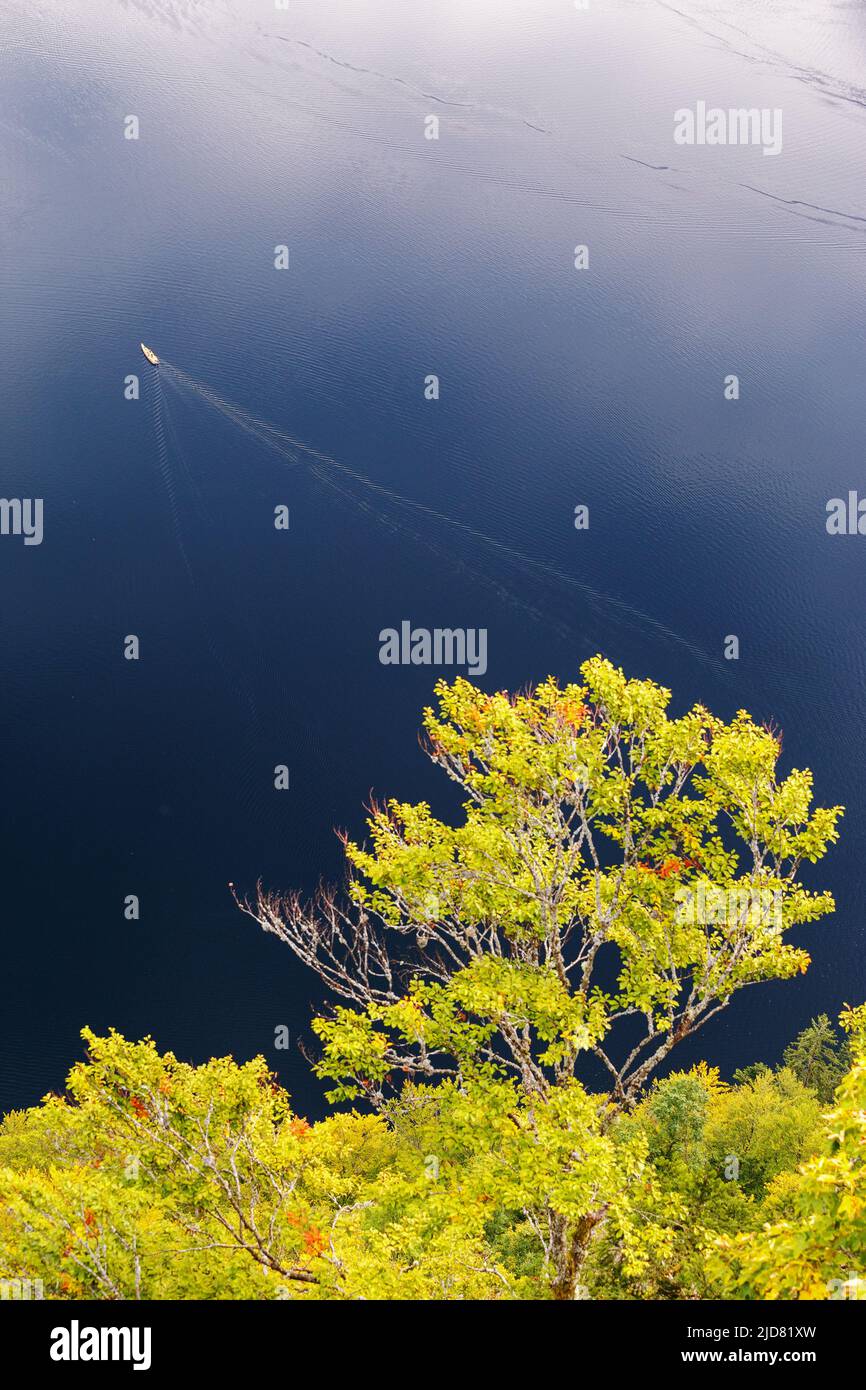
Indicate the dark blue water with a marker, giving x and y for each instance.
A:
(407, 257)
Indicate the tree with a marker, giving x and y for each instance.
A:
(818, 1057)
(153, 1178)
(617, 875)
(762, 1127)
(817, 1249)
(715, 1151)
(694, 1198)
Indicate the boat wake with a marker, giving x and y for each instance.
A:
(537, 587)
(168, 448)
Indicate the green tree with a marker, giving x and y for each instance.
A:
(692, 1201)
(819, 1057)
(617, 875)
(156, 1179)
(716, 1151)
(762, 1127)
(814, 1245)
(152, 1178)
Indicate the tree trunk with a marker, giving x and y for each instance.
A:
(570, 1247)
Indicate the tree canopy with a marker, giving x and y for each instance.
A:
(614, 876)
(508, 987)
(817, 1248)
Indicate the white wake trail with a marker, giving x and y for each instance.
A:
(323, 466)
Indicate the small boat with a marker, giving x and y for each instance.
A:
(149, 354)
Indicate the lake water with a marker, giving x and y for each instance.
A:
(408, 256)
